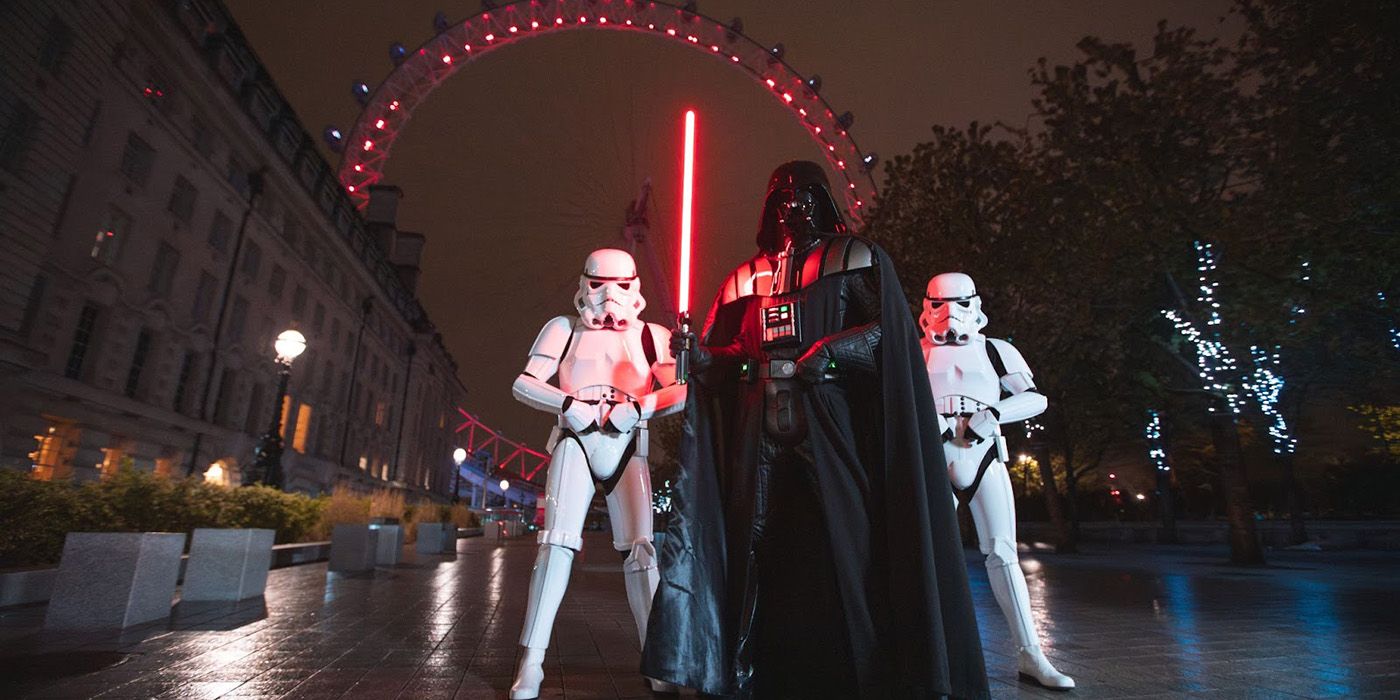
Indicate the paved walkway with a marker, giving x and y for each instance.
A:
(1126, 622)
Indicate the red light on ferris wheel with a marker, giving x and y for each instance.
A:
(369, 145)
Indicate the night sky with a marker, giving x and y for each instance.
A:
(525, 160)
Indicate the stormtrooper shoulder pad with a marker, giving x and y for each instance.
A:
(1010, 357)
(554, 338)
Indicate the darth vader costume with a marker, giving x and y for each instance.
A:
(813, 548)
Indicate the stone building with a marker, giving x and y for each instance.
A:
(163, 216)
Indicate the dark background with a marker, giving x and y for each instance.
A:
(525, 161)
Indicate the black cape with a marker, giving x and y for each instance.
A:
(888, 506)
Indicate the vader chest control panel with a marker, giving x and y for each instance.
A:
(780, 324)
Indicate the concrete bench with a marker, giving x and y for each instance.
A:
(112, 580)
(227, 564)
(437, 538)
(354, 548)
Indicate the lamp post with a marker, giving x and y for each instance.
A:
(267, 460)
(459, 455)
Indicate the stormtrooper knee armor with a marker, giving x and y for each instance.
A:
(614, 372)
(978, 384)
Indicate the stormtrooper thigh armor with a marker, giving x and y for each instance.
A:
(979, 383)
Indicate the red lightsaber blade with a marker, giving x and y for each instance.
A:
(687, 196)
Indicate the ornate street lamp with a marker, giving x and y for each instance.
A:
(459, 455)
(267, 459)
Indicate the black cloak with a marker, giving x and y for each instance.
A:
(885, 499)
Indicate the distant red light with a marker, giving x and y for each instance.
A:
(787, 97)
(514, 29)
(379, 124)
(393, 106)
(369, 145)
(360, 168)
(770, 82)
(534, 25)
(447, 59)
(490, 37)
(672, 32)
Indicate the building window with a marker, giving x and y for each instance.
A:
(137, 159)
(220, 232)
(303, 428)
(182, 199)
(203, 298)
(182, 382)
(237, 319)
(163, 270)
(49, 447)
(298, 303)
(276, 281)
(138, 362)
(82, 340)
(202, 137)
(252, 260)
(237, 175)
(93, 118)
(251, 424)
(58, 41)
(291, 231)
(318, 322)
(381, 413)
(20, 125)
(223, 402)
(32, 304)
(110, 236)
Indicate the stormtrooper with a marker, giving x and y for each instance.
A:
(978, 384)
(614, 373)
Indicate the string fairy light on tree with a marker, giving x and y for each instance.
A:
(1155, 451)
(1266, 386)
(1216, 367)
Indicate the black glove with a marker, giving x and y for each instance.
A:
(688, 342)
(848, 353)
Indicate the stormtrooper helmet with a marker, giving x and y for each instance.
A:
(609, 293)
(952, 310)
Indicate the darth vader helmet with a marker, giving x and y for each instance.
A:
(798, 208)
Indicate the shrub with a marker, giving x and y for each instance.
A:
(342, 507)
(35, 516)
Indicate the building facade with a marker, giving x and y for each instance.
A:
(163, 216)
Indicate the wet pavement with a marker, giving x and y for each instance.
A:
(1129, 621)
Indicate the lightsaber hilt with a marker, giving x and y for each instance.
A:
(683, 359)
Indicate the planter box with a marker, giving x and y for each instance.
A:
(437, 538)
(389, 544)
(353, 548)
(112, 580)
(227, 564)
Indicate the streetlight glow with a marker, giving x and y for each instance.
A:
(459, 455)
(505, 485)
(290, 344)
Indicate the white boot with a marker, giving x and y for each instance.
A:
(547, 583)
(529, 676)
(1009, 587)
(641, 577)
(1031, 664)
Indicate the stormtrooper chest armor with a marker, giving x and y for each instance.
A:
(962, 377)
(606, 365)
